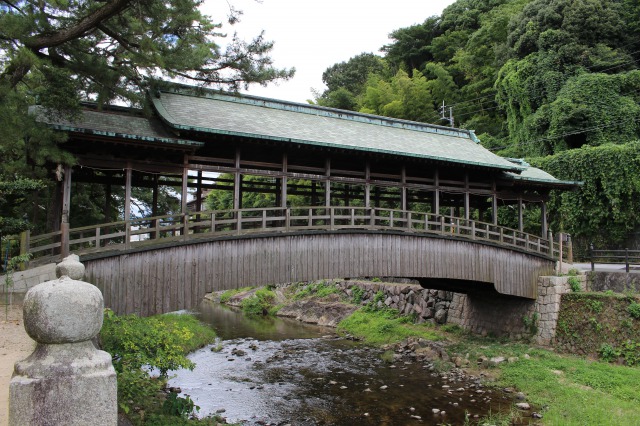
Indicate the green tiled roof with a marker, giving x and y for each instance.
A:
(534, 175)
(220, 113)
(121, 124)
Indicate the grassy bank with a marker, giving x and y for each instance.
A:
(565, 389)
(160, 343)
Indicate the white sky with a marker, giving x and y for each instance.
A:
(311, 36)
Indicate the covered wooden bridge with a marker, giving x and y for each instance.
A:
(279, 167)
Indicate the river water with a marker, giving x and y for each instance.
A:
(274, 371)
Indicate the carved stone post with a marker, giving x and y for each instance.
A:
(66, 380)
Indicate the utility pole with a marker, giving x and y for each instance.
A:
(443, 111)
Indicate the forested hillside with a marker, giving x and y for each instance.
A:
(533, 79)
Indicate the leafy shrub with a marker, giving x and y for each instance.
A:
(260, 303)
(357, 293)
(158, 342)
(595, 305)
(179, 406)
(318, 289)
(608, 353)
(574, 283)
(634, 310)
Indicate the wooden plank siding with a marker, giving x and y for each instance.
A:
(176, 277)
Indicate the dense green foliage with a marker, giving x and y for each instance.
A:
(532, 78)
(261, 303)
(160, 343)
(606, 208)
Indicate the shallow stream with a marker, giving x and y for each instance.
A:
(274, 371)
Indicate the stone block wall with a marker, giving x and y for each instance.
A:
(427, 305)
(24, 280)
(513, 317)
(618, 282)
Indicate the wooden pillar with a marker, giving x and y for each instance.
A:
(154, 207)
(107, 199)
(327, 187)
(66, 207)
(199, 192)
(436, 194)
(403, 189)
(314, 193)
(237, 181)
(494, 205)
(520, 215)
(367, 184)
(127, 204)
(185, 182)
(127, 192)
(543, 214)
(154, 203)
(466, 197)
(283, 187)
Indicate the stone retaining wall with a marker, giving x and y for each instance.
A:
(481, 313)
(24, 280)
(618, 282)
(427, 305)
(516, 318)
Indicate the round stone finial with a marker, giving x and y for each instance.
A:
(63, 311)
(71, 267)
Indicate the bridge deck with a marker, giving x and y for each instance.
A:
(160, 264)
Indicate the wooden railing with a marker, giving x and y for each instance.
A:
(123, 235)
(624, 257)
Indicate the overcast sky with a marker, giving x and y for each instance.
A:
(313, 35)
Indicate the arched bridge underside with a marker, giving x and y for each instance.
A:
(173, 277)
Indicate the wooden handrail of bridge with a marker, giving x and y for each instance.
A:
(150, 231)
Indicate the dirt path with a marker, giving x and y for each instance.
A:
(15, 345)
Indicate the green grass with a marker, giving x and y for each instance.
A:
(224, 297)
(577, 391)
(318, 289)
(384, 326)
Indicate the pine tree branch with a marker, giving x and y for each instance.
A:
(86, 24)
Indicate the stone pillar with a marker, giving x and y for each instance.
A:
(66, 380)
